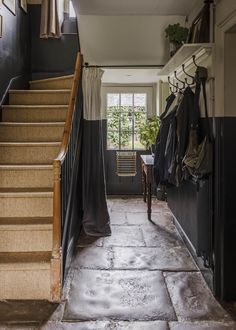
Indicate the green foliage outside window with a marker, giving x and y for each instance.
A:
(148, 131)
(123, 124)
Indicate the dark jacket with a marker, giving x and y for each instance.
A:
(160, 145)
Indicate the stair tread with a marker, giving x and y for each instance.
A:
(38, 91)
(25, 227)
(25, 166)
(30, 144)
(28, 106)
(24, 257)
(59, 123)
(26, 192)
(51, 79)
(26, 221)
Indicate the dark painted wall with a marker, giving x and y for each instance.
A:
(117, 185)
(51, 57)
(192, 205)
(207, 213)
(22, 52)
(225, 207)
(14, 46)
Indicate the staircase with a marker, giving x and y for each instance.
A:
(30, 138)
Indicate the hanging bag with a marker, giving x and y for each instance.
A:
(198, 160)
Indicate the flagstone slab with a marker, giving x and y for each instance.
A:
(174, 258)
(156, 325)
(118, 218)
(93, 257)
(162, 236)
(101, 325)
(192, 299)
(118, 295)
(202, 326)
(125, 236)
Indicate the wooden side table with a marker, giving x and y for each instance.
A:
(147, 162)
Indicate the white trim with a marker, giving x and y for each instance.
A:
(149, 90)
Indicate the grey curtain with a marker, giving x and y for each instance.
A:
(50, 27)
(96, 221)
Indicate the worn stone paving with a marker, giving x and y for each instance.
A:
(140, 278)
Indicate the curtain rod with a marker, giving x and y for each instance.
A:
(124, 66)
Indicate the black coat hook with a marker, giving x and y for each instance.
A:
(188, 75)
(194, 61)
(181, 81)
(175, 86)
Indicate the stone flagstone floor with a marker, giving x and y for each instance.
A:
(140, 278)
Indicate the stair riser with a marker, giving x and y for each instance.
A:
(26, 178)
(25, 240)
(39, 98)
(57, 84)
(25, 284)
(28, 154)
(16, 207)
(34, 115)
(31, 133)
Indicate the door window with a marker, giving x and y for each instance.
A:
(125, 111)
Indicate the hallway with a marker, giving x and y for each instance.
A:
(140, 278)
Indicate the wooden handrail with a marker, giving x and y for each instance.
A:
(57, 164)
(71, 107)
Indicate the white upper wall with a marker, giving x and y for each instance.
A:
(128, 32)
(125, 40)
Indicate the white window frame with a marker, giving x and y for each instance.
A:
(148, 89)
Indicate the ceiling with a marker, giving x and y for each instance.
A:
(129, 32)
(134, 7)
(130, 76)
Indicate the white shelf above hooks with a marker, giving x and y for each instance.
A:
(184, 56)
